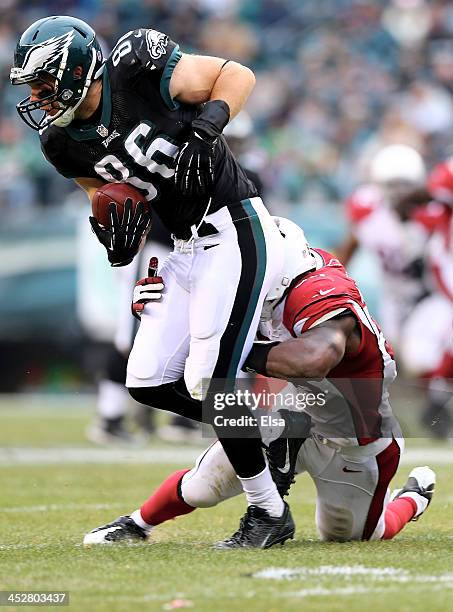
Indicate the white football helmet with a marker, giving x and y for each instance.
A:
(241, 127)
(298, 257)
(398, 163)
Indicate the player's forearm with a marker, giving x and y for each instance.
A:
(89, 185)
(233, 85)
(313, 355)
(346, 250)
(300, 359)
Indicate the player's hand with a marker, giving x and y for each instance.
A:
(147, 289)
(194, 174)
(123, 238)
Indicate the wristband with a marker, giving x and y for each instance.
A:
(212, 120)
(256, 360)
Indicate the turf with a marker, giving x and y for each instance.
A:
(46, 509)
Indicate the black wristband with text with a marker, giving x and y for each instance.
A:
(256, 360)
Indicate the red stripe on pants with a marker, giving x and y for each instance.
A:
(387, 462)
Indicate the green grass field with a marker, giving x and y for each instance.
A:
(47, 506)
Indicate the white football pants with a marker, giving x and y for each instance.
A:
(215, 286)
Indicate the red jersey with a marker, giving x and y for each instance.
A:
(362, 202)
(323, 294)
(368, 198)
(441, 255)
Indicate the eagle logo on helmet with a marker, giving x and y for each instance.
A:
(40, 56)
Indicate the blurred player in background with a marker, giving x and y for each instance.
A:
(319, 328)
(426, 345)
(113, 399)
(438, 414)
(398, 234)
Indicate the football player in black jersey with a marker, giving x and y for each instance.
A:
(153, 117)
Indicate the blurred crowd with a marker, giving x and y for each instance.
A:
(337, 79)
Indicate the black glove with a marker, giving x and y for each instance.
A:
(123, 238)
(194, 174)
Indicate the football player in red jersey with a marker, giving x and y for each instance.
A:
(437, 415)
(432, 318)
(391, 218)
(317, 327)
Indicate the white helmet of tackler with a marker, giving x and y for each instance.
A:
(398, 163)
(298, 257)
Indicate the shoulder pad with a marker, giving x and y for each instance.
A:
(323, 292)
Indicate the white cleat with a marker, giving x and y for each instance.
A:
(419, 487)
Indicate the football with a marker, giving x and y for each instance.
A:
(116, 193)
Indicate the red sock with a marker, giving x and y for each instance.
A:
(445, 369)
(397, 514)
(165, 503)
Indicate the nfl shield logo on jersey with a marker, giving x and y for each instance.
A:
(102, 131)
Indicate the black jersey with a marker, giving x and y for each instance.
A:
(137, 133)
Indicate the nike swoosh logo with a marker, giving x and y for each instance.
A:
(325, 291)
(346, 469)
(285, 468)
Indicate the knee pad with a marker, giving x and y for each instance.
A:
(334, 524)
(197, 491)
(211, 481)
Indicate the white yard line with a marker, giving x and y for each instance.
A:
(57, 508)
(350, 579)
(49, 456)
(360, 590)
(343, 571)
(334, 592)
(171, 455)
(418, 456)
(349, 573)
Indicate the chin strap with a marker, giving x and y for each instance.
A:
(65, 118)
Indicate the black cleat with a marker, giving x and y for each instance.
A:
(282, 453)
(259, 530)
(124, 529)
